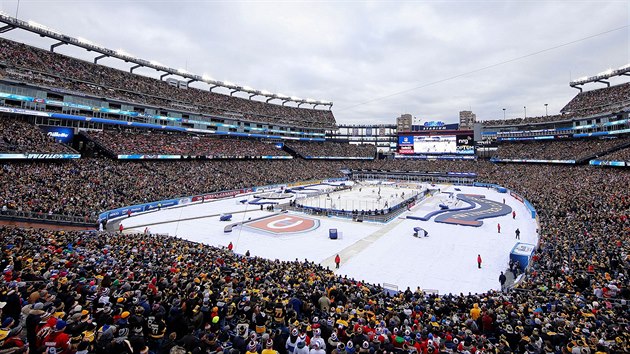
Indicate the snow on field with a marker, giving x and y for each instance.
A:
(378, 253)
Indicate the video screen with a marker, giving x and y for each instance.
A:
(436, 144)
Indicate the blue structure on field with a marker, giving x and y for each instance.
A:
(522, 252)
(332, 234)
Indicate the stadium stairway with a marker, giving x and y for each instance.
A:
(291, 152)
(604, 153)
(98, 146)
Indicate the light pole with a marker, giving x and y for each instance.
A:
(503, 113)
(525, 109)
(546, 112)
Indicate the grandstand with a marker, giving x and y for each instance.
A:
(149, 142)
(114, 292)
(25, 64)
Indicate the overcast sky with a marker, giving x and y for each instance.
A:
(373, 60)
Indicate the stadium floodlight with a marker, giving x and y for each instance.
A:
(281, 95)
(310, 100)
(182, 71)
(121, 52)
(35, 24)
(156, 63)
(228, 84)
(627, 66)
(295, 98)
(604, 73)
(84, 41)
(265, 92)
(247, 88)
(207, 77)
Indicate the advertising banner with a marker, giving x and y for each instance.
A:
(465, 144)
(39, 156)
(61, 134)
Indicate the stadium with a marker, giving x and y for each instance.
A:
(176, 213)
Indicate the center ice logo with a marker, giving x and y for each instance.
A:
(284, 224)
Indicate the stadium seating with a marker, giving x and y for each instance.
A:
(332, 149)
(619, 155)
(41, 67)
(601, 100)
(130, 293)
(152, 142)
(19, 136)
(104, 292)
(558, 150)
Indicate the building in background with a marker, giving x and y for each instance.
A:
(404, 122)
(467, 119)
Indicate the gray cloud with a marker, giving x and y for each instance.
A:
(353, 52)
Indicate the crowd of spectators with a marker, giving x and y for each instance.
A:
(619, 155)
(601, 100)
(19, 136)
(529, 120)
(87, 186)
(558, 150)
(47, 68)
(138, 293)
(332, 149)
(150, 142)
(89, 292)
(605, 100)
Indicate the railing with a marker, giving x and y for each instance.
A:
(31, 216)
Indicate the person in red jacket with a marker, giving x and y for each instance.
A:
(337, 261)
(58, 342)
(121, 227)
(499, 228)
(479, 260)
(230, 246)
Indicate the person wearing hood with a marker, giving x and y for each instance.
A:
(32, 320)
(475, 312)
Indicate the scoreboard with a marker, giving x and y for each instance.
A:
(428, 143)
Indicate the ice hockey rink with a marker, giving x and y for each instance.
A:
(380, 253)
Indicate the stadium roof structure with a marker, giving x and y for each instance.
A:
(601, 77)
(62, 39)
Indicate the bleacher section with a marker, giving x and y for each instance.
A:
(606, 99)
(563, 150)
(596, 102)
(331, 150)
(149, 142)
(40, 67)
(18, 136)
